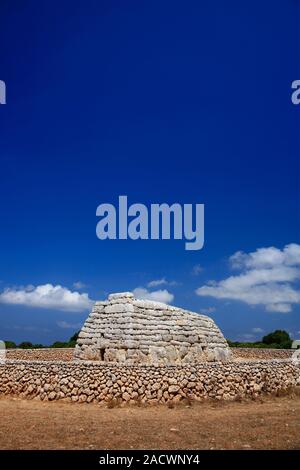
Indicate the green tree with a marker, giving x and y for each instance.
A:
(74, 337)
(278, 337)
(25, 345)
(10, 344)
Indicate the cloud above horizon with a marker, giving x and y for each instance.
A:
(197, 269)
(257, 330)
(47, 296)
(67, 325)
(207, 311)
(267, 277)
(161, 282)
(161, 295)
(79, 285)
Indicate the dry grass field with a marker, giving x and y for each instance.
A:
(268, 423)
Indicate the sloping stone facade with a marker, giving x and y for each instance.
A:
(124, 329)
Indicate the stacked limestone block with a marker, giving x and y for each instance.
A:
(124, 329)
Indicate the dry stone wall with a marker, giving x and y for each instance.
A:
(102, 382)
(46, 354)
(260, 353)
(66, 354)
(124, 329)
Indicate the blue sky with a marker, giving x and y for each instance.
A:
(163, 102)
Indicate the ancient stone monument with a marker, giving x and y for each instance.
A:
(127, 330)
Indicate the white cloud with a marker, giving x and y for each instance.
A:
(266, 278)
(64, 324)
(267, 257)
(281, 308)
(197, 269)
(79, 285)
(207, 311)
(47, 296)
(257, 330)
(28, 328)
(161, 282)
(157, 282)
(248, 336)
(161, 295)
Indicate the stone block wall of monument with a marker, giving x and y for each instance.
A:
(128, 330)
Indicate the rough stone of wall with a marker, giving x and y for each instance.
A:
(47, 354)
(124, 329)
(260, 353)
(102, 382)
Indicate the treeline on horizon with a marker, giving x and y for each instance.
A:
(278, 339)
(57, 344)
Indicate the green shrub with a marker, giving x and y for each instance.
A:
(59, 344)
(10, 344)
(25, 345)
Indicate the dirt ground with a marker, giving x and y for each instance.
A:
(270, 423)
